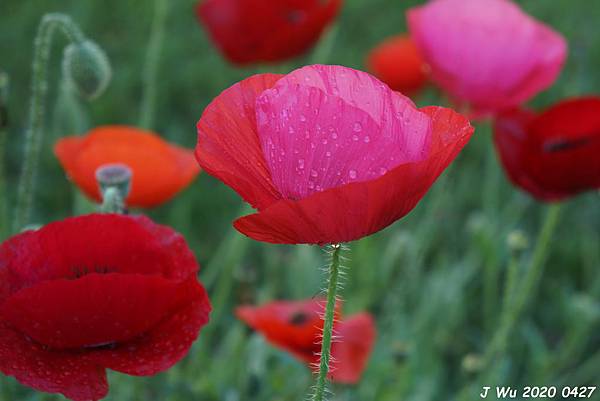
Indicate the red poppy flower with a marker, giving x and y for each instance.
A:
(554, 154)
(296, 326)
(327, 154)
(398, 63)
(487, 53)
(160, 170)
(92, 293)
(250, 31)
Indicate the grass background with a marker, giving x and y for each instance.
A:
(434, 280)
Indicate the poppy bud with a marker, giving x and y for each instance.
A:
(517, 241)
(86, 68)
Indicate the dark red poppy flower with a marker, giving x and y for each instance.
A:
(554, 154)
(250, 31)
(487, 53)
(92, 293)
(296, 327)
(160, 169)
(327, 154)
(398, 63)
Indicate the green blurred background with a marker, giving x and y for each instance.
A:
(434, 280)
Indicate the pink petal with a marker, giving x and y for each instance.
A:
(486, 52)
(321, 127)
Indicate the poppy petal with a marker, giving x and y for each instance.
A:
(355, 337)
(96, 310)
(310, 149)
(160, 170)
(173, 338)
(487, 53)
(356, 210)
(398, 62)
(81, 245)
(228, 145)
(55, 372)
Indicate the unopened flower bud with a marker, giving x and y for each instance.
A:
(86, 69)
(517, 241)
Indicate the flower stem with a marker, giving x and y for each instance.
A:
(151, 64)
(514, 307)
(332, 288)
(39, 89)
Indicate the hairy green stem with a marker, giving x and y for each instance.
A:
(332, 288)
(39, 89)
(151, 64)
(514, 308)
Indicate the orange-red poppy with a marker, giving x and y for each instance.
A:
(397, 62)
(160, 169)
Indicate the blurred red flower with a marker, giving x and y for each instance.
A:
(160, 170)
(296, 327)
(92, 293)
(250, 31)
(487, 53)
(397, 62)
(327, 154)
(554, 154)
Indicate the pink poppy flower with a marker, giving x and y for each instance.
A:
(327, 154)
(487, 53)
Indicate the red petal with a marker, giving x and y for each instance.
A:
(293, 326)
(160, 169)
(356, 210)
(252, 31)
(70, 374)
(95, 310)
(351, 350)
(94, 243)
(228, 146)
(554, 155)
(164, 345)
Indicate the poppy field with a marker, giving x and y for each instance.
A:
(252, 200)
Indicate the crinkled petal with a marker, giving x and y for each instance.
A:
(96, 310)
(228, 145)
(314, 141)
(356, 210)
(102, 243)
(164, 345)
(70, 374)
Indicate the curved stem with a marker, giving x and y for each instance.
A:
(151, 64)
(332, 288)
(513, 308)
(39, 89)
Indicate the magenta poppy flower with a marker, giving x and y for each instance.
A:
(554, 154)
(96, 292)
(487, 53)
(327, 154)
